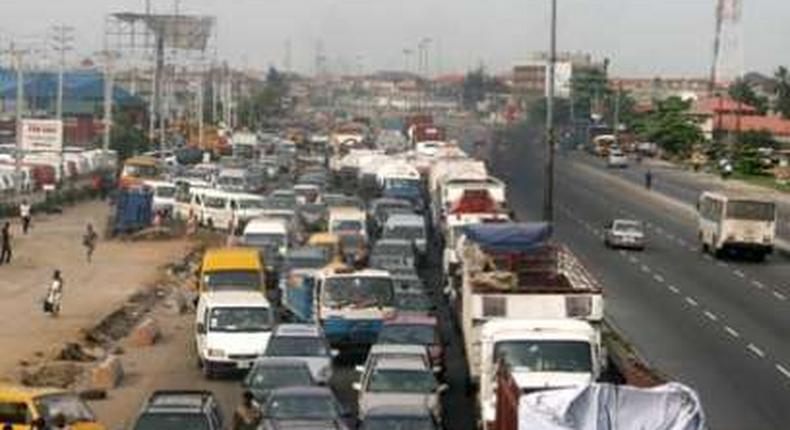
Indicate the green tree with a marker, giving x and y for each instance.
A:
(670, 126)
(782, 77)
(741, 91)
(127, 137)
(266, 102)
(477, 86)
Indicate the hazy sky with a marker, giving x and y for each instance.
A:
(642, 37)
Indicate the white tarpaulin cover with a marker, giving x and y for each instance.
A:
(671, 406)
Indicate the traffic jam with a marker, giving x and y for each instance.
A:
(355, 260)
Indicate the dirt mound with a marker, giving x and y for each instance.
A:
(57, 374)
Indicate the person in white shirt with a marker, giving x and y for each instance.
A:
(24, 213)
(54, 295)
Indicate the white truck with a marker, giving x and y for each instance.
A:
(512, 281)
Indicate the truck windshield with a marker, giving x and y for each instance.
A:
(165, 191)
(347, 225)
(751, 211)
(404, 232)
(545, 355)
(228, 279)
(401, 381)
(358, 291)
(240, 320)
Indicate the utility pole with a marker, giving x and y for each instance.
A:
(548, 195)
(616, 119)
(17, 59)
(62, 40)
(109, 58)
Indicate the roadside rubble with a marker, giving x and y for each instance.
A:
(93, 364)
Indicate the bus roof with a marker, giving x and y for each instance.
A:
(737, 195)
(234, 258)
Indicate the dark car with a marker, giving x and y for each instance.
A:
(380, 209)
(305, 408)
(399, 417)
(177, 410)
(415, 330)
(394, 255)
(271, 373)
(414, 301)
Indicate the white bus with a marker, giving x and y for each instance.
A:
(735, 222)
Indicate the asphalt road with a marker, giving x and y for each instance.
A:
(718, 326)
(681, 184)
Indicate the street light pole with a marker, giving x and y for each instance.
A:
(548, 195)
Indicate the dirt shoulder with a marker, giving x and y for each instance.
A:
(91, 290)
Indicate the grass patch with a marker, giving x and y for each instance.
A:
(763, 181)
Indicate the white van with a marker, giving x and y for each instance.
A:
(164, 196)
(216, 208)
(232, 329)
(347, 220)
(270, 237)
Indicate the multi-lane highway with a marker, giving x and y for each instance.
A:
(719, 326)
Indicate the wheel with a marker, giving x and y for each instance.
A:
(208, 372)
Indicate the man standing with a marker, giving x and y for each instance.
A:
(247, 416)
(89, 241)
(24, 213)
(54, 295)
(5, 254)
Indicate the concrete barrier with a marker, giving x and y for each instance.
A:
(146, 333)
(107, 375)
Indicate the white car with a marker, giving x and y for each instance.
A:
(404, 381)
(625, 233)
(232, 329)
(617, 159)
(305, 342)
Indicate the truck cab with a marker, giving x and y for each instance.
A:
(541, 355)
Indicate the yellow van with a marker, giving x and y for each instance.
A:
(231, 268)
(21, 406)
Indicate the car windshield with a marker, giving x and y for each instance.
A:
(398, 423)
(172, 421)
(165, 191)
(351, 240)
(264, 239)
(307, 261)
(628, 227)
(214, 202)
(71, 406)
(408, 334)
(751, 211)
(404, 232)
(296, 346)
(387, 249)
(270, 377)
(251, 204)
(231, 180)
(347, 225)
(401, 381)
(545, 355)
(240, 320)
(358, 291)
(310, 407)
(232, 278)
(403, 183)
(413, 302)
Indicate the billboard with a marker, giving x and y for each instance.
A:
(563, 72)
(41, 135)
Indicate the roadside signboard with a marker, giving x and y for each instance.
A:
(41, 135)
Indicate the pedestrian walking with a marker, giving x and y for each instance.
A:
(248, 415)
(24, 213)
(54, 295)
(5, 254)
(649, 179)
(89, 241)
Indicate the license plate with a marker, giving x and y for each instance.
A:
(244, 364)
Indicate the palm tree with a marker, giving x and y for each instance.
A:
(782, 77)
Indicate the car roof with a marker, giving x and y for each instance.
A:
(235, 298)
(393, 410)
(303, 391)
(406, 219)
(298, 330)
(13, 392)
(267, 224)
(265, 361)
(397, 348)
(400, 363)
(178, 399)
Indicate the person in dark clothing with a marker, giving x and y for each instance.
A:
(5, 254)
(649, 179)
(89, 241)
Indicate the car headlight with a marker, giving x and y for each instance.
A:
(212, 352)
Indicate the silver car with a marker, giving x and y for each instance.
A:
(305, 342)
(625, 233)
(314, 408)
(405, 381)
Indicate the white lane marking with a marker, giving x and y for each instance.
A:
(783, 371)
(670, 237)
(645, 268)
(738, 273)
(779, 295)
(731, 331)
(658, 278)
(711, 316)
(674, 289)
(758, 284)
(707, 257)
(681, 242)
(757, 351)
(691, 301)
(633, 259)
(721, 264)
(622, 252)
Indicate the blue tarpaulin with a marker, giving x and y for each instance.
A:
(510, 237)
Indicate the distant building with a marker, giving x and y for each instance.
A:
(530, 79)
(647, 90)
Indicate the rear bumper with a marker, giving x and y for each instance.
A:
(749, 247)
